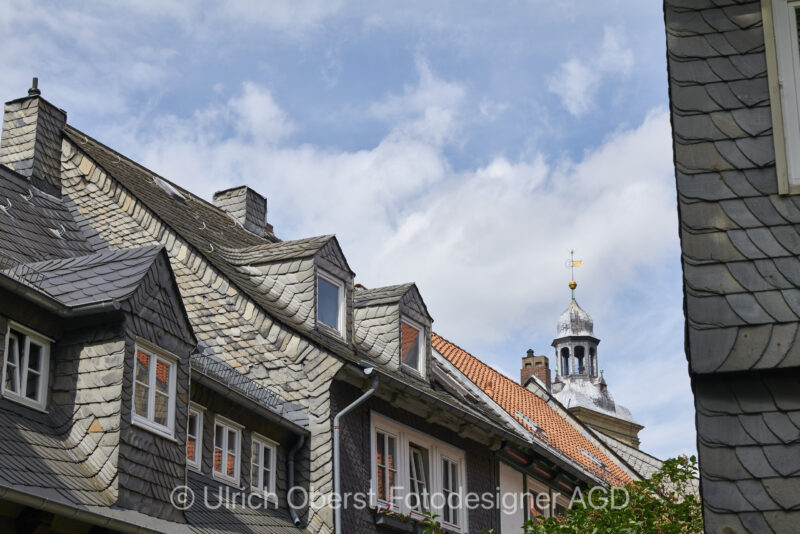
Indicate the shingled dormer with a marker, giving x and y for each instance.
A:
(393, 326)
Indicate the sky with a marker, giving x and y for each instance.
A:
(467, 146)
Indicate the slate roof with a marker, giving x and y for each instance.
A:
(37, 226)
(266, 253)
(518, 402)
(641, 462)
(102, 276)
(380, 295)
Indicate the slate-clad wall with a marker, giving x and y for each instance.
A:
(151, 466)
(741, 272)
(222, 317)
(355, 451)
(216, 405)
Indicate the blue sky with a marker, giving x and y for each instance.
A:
(467, 146)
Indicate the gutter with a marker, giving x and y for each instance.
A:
(336, 471)
(78, 514)
(52, 305)
(290, 479)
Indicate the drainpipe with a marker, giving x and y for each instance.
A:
(290, 477)
(336, 478)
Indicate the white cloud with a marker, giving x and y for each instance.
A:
(578, 79)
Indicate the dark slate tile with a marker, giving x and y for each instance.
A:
(712, 311)
(744, 15)
(783, 522)
(747, 307)
(755, 462)
(755, 121)
(688, 23)
(701, 71)
(709, 216)
(751, 341)
(705, 157)
(755, 523)
(760, 150)
(754, 492)
(764, 180)
(749, 276)
(750, 92)
(764, 211)
(773, 303)
(792, 298)
(734, 154)
(723, 495)
(786, 208)
(789, 267)
(782, 426)
(697, 46)
(705, 99)
(766, 242)
(782, 339)
(756, 428)
(718, 19)
(753, 396)
(714, 278)
(745, 41)
(788, 237)
(716, 396)
(740, 213)
(713, 246)
(709, 186)
(721, 463)
(724, 69)
(700, 127)
(785, 459)
(785, 491)
(722, 430)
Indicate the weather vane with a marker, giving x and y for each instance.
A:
(572, 263)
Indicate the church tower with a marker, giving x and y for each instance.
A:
(579, 384)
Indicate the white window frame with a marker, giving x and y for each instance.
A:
(437, 451)
(227, 424)
(783, 75)
(42, 341)
(263, 443)
(199, 411)
(146, 422)
(422, 362)
(339, 329)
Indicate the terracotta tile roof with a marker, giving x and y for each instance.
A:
(514, 398)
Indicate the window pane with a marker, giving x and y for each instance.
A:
(35, 357)
(143, 367)
(419, 478)
(161, 412)
(12, 360)
(255, 467)
(191, 446)
(162, 376)
(231, 460)
(409, 345)
(191, 426)
(390, 454)
(141, 397)
(327, 303)
(32, 385)
(219, 437)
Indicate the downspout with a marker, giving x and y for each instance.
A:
(336, 473)
(290, 477)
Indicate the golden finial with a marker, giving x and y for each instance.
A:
(572, 263)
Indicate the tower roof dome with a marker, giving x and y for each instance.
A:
(575, 322)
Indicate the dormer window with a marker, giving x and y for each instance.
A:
(154, 373)
(412, 350)
(330, 302)
(25, 367)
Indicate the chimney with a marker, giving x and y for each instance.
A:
(31, 141)
(538, 366)
(246, 207)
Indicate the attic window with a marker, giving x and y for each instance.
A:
(170, 189)
(154, 393)
(411, 348)
(330, 302)
(25, 367)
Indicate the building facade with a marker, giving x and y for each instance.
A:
(182, 343)
(733, 88)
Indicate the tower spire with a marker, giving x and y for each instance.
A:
(572, 263)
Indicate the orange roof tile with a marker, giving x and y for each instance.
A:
(514, 398)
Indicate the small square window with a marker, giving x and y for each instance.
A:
(227, 450)
(330, 302)
(412, 352)
(26, 367)
(262, 466)
(154, 377)
(194, 438)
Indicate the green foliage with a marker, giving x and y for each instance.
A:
(666, 503)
